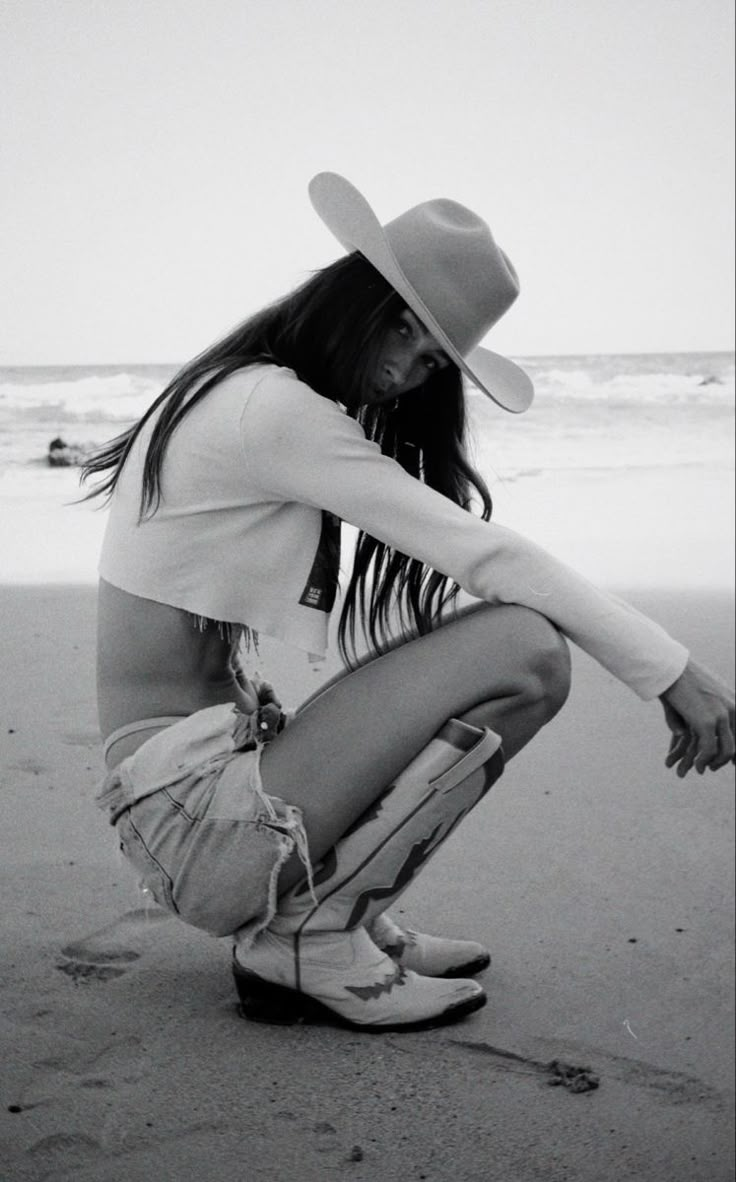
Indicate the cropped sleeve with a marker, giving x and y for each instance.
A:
(298, 446)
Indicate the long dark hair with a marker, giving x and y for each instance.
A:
(329, 331)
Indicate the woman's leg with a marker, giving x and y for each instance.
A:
(382, 779)
(506, 668)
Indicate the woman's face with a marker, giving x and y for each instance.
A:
(409, 355)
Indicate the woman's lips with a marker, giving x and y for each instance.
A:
(382, 395)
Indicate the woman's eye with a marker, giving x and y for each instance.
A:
(430, 363)
(403, 329)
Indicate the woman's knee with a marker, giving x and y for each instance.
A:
(544, 662)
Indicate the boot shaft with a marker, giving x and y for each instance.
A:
(376, 859)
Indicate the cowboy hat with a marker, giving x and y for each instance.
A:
(442, 260)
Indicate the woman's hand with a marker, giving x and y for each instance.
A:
(699, 710)
(259, 700)
(261, 717)
(270, 714)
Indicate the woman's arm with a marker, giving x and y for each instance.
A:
(299, 446)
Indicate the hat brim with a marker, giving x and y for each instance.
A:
(347, 215)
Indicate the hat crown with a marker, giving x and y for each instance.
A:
(449, 256)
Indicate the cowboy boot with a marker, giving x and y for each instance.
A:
(433, 956)
(316, 960)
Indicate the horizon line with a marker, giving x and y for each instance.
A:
(512, 355)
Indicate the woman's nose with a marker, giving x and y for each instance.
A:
(389, 374)
(396, 370)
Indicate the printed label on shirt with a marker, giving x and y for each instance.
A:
(321, 587)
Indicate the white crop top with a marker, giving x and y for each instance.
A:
(255, 482)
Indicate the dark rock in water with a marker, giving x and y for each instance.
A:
(67, 455)
(712, 380)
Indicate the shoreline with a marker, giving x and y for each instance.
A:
(637, 528)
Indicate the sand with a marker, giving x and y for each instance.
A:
(602, 884)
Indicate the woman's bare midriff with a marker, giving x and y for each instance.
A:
(153, 661)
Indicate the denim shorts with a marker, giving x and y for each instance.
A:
(193, 820)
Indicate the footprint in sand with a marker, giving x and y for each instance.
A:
(64, 1149)
(89, 972)
(108, 952)
(95, 1064)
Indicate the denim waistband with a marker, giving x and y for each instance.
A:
(134, 728)
(182, 746)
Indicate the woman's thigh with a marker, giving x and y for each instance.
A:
(353, 738)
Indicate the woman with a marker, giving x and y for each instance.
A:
(342, 402)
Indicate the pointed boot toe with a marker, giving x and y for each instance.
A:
(433, 956)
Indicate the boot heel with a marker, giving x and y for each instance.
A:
(262, 1001)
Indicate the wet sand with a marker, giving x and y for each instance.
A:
(602, 884)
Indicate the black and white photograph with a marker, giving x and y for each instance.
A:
(367, 732)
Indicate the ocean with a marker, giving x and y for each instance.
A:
(623, 466)
(590, 412)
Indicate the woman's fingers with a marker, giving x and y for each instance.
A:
(710, 749)
(726, 743)
(269, 721)
(680, 737)
(706, 751)
(678, 746)
(717, 748)
(688, 757)
(266, 693)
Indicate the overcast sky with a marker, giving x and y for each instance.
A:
(156, 155)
